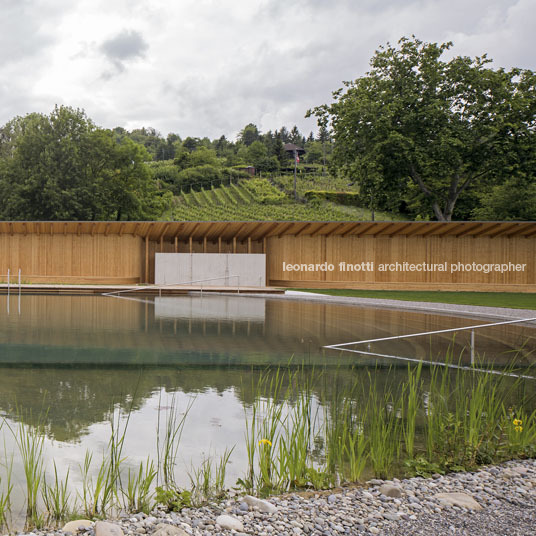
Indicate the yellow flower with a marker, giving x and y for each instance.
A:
(518, 428)
(265, 442)
(518, 422)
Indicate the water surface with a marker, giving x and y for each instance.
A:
(72, 361)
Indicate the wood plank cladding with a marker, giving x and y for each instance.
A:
(69, 258)
(124, 252)
(453, 252)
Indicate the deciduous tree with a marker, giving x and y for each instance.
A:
(418, 125)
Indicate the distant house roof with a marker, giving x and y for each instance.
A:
(291, 147)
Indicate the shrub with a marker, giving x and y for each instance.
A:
(341, 198)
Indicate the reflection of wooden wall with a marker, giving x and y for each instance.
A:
(69, 258)
(290, 328)
(71, 313)
(433, 249)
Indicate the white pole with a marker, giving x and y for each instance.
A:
(472, 347)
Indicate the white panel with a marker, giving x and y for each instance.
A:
(217, 269)
(251, 267)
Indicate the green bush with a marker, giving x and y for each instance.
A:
(341, 198)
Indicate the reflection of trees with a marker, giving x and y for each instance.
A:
(69, 400)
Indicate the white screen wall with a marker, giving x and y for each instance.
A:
(176, 268)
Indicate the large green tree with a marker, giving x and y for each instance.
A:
(430, 130)
(62, 167)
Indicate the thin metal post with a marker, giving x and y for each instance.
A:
(472, 347)
(295, 172)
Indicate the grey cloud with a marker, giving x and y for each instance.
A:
(216, 66)
(22, 32)
(126, 45)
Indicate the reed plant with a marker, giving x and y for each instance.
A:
(56, 496)
(263, 428)
(30, 443)
(384, 428)
(221, 471)
(6, 489)
(346, 439)
(294, 446)
(354, 450)
(100, 494)
(139, 492)
(410, 407)
(167, 447)
(455, 418)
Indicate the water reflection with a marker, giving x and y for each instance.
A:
(70, 362)
(80, 355)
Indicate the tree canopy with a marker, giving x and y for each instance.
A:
(62, 167)
(431, 130)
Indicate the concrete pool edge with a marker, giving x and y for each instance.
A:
(473, 311)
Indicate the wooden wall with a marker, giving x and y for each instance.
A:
(68, 255)
(69, 258)
(384, 250)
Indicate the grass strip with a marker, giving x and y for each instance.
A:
(512, 300)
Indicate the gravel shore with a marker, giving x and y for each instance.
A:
(496, 500)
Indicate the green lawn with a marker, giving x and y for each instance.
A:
(490, 299)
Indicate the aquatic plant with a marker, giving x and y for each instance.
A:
(30, 443)
(139, 491)
(7, 487)
(56, 496)
(167, 447)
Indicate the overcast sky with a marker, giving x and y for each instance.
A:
(209, 67)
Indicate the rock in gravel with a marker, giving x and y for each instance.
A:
(77, 525)
(390, 491)
(263, 506)
(229, 522)
(458, 499)
(509, 473)
(103, 528)
(164, 529)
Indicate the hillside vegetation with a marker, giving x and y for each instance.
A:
(259, 200)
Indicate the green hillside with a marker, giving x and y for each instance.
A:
(260, 200)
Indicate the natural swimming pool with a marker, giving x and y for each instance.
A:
(70, 362)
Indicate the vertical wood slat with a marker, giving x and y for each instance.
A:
(147, 259)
